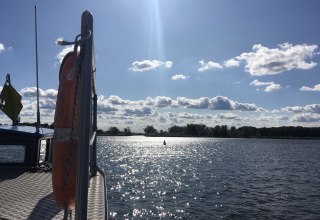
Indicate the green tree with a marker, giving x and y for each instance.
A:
(127, 131)
(175, 130)
(150, 130)
(113, 131)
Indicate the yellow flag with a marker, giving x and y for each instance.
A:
(10, 102)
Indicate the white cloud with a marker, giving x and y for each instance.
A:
(138, 111)
(270, 86)
(306, 117)
(216, 103)
(232, 63)
(208, 66)
(103, 106)
(47, 104)
(179, 77)
(220, 103)
(168, 64)
(150, 101)
(116, 100)
(228, 116)
(145, 65)
(272, 118)
(162, 101)
(64, 52)
(316, 88)
(138, 116)
(186, 115)
(32, 92)
(2, 48)
(201, 103)
(258, 83)
(270, 61)
(281, 117)
(116, 104)
(162, 119)
(314, 108)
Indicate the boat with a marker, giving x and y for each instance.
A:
(26, 152)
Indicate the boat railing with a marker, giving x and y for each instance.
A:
(87, 121)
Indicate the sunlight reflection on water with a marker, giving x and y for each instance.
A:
(209, 178)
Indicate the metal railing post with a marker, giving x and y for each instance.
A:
(93, 160)
(85, 119)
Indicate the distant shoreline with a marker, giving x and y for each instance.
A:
(251, 137)
(219, 131)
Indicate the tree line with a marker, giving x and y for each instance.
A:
(201, 130)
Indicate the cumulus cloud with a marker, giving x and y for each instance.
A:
(246, 107)
(272, 118)
(162, 119)
(316, 88)
(104, 107)
(117, 109)
(314, 108)
(270, 86)
(2, 48)
(47, 104)
(186, 115)
(281, 117)
(112, 104)
(116, 100)
(221, 103)
(216, 103)
(201, 103)
(145, 65)
(32, 92)
(258, 83)
(179, 77)
(227, 116)
(208, 66)
(270, 61)
(149, 101)
(232, 63)
(306, 117)
(138, 111)
(64, 52)
(162, 101)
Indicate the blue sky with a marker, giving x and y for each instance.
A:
(173, 62)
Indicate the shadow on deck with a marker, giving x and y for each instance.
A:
(26, 195)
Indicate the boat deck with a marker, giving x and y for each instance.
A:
(28, 195)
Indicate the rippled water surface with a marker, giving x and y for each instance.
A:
(200, 178)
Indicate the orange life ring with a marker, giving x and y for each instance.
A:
(64, 150)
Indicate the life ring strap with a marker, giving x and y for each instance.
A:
(65, 134)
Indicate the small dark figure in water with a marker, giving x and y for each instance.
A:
(164, 142)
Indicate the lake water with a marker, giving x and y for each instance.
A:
(208, 178)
